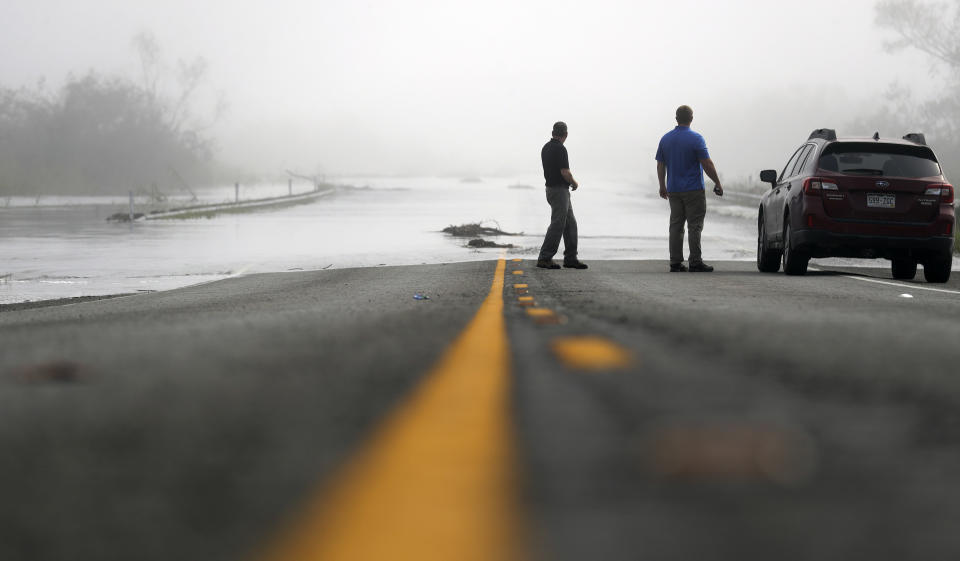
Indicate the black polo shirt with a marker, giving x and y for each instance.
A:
(554, 158)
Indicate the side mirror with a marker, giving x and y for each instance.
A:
(769, 176)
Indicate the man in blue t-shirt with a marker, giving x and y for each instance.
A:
(682, 158)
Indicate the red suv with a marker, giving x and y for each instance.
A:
(858, 197)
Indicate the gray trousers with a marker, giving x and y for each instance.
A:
(562, 225)
(689, 207)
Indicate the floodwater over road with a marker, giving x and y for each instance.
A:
(60, 248)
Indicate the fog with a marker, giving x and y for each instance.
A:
(450, 88)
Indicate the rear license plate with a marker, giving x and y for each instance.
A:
(881, 200)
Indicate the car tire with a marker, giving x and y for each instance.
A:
(768, 260)
(903, 268)
(938, 269)
(794, 262)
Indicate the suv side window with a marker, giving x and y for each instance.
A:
(789, 167)
(801, 161)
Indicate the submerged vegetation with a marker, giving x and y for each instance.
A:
(481, 243)
(476, 230)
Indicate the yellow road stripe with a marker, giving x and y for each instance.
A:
(544, 316)
(540, 312)
(591, 353)
(437, 481)
(519, 286)
(518, 272)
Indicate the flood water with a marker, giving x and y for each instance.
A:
(58, 248)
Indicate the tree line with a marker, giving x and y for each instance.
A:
(100, 134)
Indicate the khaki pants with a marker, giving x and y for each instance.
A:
(689, 207)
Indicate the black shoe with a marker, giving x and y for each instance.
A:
(701, 268)
(548, 264)
(574, 264)
(678, 268)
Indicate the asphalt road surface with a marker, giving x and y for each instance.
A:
(622, 412)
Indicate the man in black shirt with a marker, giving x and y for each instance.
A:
(559, 181)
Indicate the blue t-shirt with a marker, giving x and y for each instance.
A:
(681, 150)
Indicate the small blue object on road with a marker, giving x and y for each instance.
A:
(419, 296)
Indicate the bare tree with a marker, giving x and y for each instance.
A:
(148, 50)
(174, 90)
(931, 27)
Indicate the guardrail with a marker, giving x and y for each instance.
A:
(209, 210)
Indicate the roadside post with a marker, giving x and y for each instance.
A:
(236, 192)
(131, 207)
(289, 187)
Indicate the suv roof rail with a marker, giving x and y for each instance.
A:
(826, 134)
(916, 138)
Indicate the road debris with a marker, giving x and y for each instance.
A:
(734, 452)
(479, 243)
(54, 372)
(476, 230)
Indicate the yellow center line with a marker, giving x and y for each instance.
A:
(438, 479)
(591, 353)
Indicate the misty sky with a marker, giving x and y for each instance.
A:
(446, 87)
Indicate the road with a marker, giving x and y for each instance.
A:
(617, 413)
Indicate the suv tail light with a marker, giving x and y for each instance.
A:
(813, 185)
(945, 191)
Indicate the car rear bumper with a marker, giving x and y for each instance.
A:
(821, 243)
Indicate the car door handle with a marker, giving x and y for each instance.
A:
(789, 186)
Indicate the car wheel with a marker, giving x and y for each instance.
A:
(794, 262)
(903, 268)
(768, 260)
(938, 269)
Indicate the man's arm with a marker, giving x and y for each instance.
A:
(568, 177)
(662, 176)
(711, 171)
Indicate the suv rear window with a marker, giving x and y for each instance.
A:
(871, 158)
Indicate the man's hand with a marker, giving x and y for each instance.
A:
(711, 170)
(568, 177)
(663, 192)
